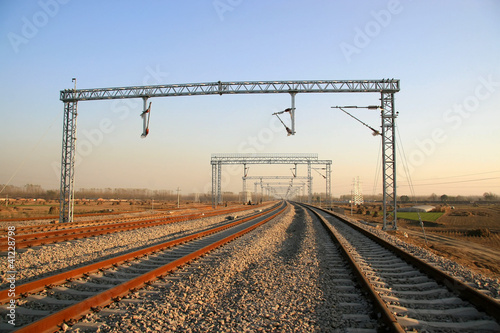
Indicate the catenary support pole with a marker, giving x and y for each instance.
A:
(388, 116)
(219, 186)
(68, 156)
(67, 192)
(328, 185)
(214, 185)
(309, 177)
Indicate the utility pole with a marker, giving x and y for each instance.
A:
(358, 195)
(178, 190)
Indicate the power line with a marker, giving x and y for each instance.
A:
(471, 174)
(455, 182)
(378, 167)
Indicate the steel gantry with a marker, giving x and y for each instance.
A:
(265, 158)
(386, 87)
(283, 190)
(261, 178)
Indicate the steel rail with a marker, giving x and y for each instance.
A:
(57, 216)
(386, 315)
(37, 285)
(97, 225)
(69, 225)
(74, 312)
(35, 239)
(478, 299)
(30, 229)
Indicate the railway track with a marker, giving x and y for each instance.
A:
(77, 224)
(403, 298)
(30, 236)
(56, 301)
(409, 294)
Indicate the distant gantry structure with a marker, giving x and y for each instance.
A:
(262, 178)
(218, 160)
(283, 190)
(385, 87)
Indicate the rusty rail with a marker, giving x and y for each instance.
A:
(41, 284)
(52, 322)
(386, 315)
(480, 300)
(68, 225)
(41, 238)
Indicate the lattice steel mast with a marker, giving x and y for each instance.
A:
(388, 116)
(67, 189)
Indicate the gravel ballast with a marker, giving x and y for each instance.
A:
(276, 278)
(489, 286)
(59, 257)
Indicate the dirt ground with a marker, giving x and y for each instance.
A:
(467, 234)
(31, 209)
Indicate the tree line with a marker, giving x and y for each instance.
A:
(33, 191)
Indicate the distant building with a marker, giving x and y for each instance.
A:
(420, 209)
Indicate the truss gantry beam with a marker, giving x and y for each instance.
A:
(275, 177)
(218, 160)
(241, 87)
(265, 158)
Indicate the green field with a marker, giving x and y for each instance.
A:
(430, 217)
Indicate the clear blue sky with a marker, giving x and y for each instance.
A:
(446, 54)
